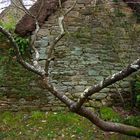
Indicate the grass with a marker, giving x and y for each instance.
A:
(109, 114)
(37, 125)
(41, 125)
(132, 120)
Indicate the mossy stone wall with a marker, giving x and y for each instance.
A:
(99, 41)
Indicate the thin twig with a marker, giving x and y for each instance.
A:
(34, 37)
(52, 45)
(70, 9)
(19, 58)
(41, 5)
(23, 8)
(58, 38)
(60, 4)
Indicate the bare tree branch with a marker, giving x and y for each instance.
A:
(135, 66)
(109, 126)
(76, 106)
(23, 8)
(71, 8)
(52, 45)
(60, 4)
(34, 36)
(58, 38)
(32, 45)
(106, 126)
(42, 3)
(25, 64)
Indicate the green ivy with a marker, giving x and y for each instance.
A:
(22, 44)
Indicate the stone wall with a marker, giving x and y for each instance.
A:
(99, 41)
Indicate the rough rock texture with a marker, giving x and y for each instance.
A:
(42, 9)
(100, 41)
(11, 14)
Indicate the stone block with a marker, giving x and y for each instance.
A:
(83, 83)
(99, 96)
(79, 88)
(92, 72)
(77, 94)
(83, 1)
(95, 104)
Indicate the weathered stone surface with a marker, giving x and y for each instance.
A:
(84, 1)
(96, 47)
(22, 101)
(92, 72)
(42, 10)
(99, 96)
(43, 42)
(79, 88)
(95, 104)
(77, 95)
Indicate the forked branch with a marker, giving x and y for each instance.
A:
(82, 111)
(133, 67)
(59, 37)
(25, 64)
(77, 107)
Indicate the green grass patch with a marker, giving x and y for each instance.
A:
(108, 114)
(41, 125)
(132, 120)
(51, 125)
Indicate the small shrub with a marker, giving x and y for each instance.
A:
(22, 44)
